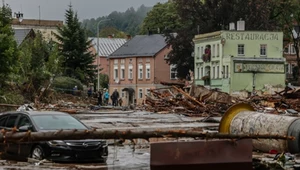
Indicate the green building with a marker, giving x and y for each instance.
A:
(235, 60)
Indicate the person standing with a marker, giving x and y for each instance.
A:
(99, 98)
(106, 96)
(90, 92)
(115, 97)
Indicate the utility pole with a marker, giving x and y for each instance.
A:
(98, 56)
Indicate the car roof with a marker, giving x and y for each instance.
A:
(32, 113)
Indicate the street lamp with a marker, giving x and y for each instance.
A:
(98, 59)
(19, 15)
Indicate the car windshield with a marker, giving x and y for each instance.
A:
(57, 122)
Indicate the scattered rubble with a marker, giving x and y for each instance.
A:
(200, 101)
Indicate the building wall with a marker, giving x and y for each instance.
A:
(159, 71)
(47, 27)
(224, 48)
(162, 70)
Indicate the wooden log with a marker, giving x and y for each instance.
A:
(189, 97)
(19, 137)
(9, 105)
(172, 84)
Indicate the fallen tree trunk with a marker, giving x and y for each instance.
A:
(17, 137)
(10, 105)
(172, 84)
(188, 96)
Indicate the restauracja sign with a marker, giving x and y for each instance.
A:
(251, 36)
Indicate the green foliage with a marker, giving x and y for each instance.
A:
(105, 32)
(66, 84)
(11, 96)
(39, 62)
(74, 46)
(128, 22)
(8, 46)
(162, 16)
(104, 80)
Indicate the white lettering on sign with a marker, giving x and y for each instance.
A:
(264, 68)
(251, 36)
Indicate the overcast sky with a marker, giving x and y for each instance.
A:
(87, 9)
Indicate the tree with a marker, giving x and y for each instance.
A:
(288, 14)
(162, 16)
(74, 46)
(105, 32)
(39, 62)
(8, 45)
(128, 22)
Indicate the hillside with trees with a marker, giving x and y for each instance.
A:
(128, 22)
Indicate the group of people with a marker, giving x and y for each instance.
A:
(103, 97)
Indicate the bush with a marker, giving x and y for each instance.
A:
(66, 84)
(11, 97)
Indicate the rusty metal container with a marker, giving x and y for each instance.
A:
(195, 155)
(242, 119)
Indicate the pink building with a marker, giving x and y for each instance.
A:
(106, 47)
(138, 66)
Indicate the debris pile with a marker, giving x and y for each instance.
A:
(200, 101)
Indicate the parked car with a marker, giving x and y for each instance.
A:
(56, 150)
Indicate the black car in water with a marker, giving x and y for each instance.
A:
(56, 150)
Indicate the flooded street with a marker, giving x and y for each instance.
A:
(128, 155)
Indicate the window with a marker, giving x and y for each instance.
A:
(213, 50)
(198, 73)
(147, 91)
(227, 71)
(286, 49)
(11, 121)
(198, 52)
(263, 50)
(173, 71)
(218, 72)
(122, 72)
(123, 94)
(24, 121)
(140, 93)
(130, 72)
(140, 71)
(140, 60)
(241, 49)
(116, 72)
(202, 74)
(148, 74)
(115, 61)
(213, 72)
(223, 72)
(122, 61)
(3, 121)
(293, 51)
(218, 50)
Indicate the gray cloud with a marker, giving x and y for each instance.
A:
(55, 9)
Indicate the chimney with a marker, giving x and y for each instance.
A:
(231, 26)
(128, 36)
(241, 25)
(110, 36)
